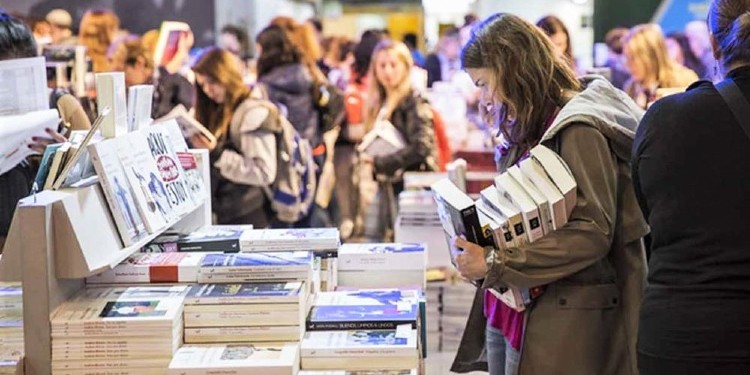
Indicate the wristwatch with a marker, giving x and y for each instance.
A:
(489, 256)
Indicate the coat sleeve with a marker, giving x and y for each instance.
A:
(587, 237)
(420, 140)
(256, 164)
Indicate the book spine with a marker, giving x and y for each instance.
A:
(558, 212)
(546, 217)
(473, 229)
(356, 325)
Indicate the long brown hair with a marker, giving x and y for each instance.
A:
(378, 98)
(529, 78)
(220, 66)
(302, 35)
(552, 25)
(97, 31)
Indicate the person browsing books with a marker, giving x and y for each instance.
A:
(691, 159)
(393, 102)
(586, 278)
(243, 160)
(16, 42)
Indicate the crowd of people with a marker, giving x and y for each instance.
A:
(588, 278)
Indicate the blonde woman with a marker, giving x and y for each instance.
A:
(98, 29)
(392, 98)
(654, 73)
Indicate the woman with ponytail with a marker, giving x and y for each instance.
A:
(691, 159)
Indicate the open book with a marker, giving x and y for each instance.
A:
(188, 125)
(384, 139)
(16, 133)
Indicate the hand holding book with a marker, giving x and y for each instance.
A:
(39, 144)
(470, 258)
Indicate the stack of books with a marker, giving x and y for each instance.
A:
(133, 330)
(457, 300)
(277, 266)
(418, 221)
(266, 359)
(212, 238)
(326, 271)
(245, 313)
(433, 316)
(366, 330)
(11, 325)
(382, 265)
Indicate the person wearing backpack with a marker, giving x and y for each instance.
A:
(244, 158)
(392, 99)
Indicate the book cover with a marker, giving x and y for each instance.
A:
(458, 214)
(110, 92)
(188, 125)
(382, 256)
(511, 190)
(280, 261)
(170, 169)
(559, 173)
(360, 343)
(210, 294)
(344, 318)
(152, 268)
(168, 42)
(140, 100)
(118, 192)
(189, 164)
(57, 164)
(496, 227)
(302, 239)
(44, 165)
(142, 174)
(78, 165)
(534, 171)
(97, 292)
(236, 359)
(539, 199)
(371, 297)
(213, 238)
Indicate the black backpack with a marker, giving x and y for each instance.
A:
(329, 102)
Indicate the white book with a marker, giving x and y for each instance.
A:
(167, 161)
(290, 239)
(152, 268)
(534, 171)
(361, 343)
(559, 173)
(512, 191)
(110, 92)
(539, 199)
(118, 191)
(189, 164)
(248, 315)
(504, 207)
(140, 99)
(122, 293)
(457, 173)
(497, 225)
(24, 87)
(143, 176)
(242, 334)
(239, 359)
(188, 125)
(370, 297)
(382, 279)
(382, 257)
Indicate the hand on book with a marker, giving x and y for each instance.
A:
(199, 141)
(470, 259)
(38, 144)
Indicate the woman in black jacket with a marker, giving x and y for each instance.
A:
(392, 98)
(691, 160)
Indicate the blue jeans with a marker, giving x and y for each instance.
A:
(501, 357)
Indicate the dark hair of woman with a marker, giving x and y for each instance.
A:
(553, 25)
(276, 50)
(691, 61)
(363, 52)
(527, 75)
(16, 40)
(241, 36)
(729, 21)
(219, 66)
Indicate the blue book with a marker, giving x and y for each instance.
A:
(44, 165)
(210, 294)
(241, 262)
(367, 317)
(371, 297)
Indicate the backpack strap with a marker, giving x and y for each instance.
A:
(737, 102)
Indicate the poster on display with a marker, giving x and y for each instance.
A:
(673, 15)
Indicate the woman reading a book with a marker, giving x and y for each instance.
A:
(393, 100)
(243, 160)
(585, 279)
(691, 159)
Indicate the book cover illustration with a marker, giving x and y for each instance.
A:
(132, 309)
(293, 234)
(133, 292)
(246, 352)
(384, 248)
(374, 338)
(213, 238)
(384, 297)
(290, 258)
(188, 162)
(245, 290)
(370, 313)
(170, 169)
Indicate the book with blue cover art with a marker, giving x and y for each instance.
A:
(369, 297)
(210, 294)
(392, 342)
(291, 261)
(224, 238)
(295, 239)
(344, 318)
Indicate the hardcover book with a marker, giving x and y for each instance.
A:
(236, 359)
(118, 191)
(222, 238)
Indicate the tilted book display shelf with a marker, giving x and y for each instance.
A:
(56, 240)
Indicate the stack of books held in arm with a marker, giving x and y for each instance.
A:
(363, 330)
(245, 313)
(526, 203)
(11, 327)
(382, 265)
(133, 330)
(418, 222)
